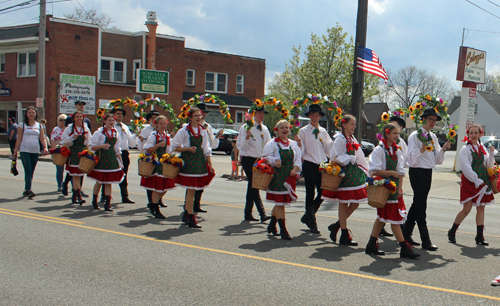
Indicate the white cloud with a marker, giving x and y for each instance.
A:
(379, 7)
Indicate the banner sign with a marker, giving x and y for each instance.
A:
(74, 87)
(152, 81)
(471, 65)
(4, 91)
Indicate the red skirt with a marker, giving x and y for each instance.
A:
(479, 196)
(158, 183)
(351, 195)
(283, 197)
(393, 213)
(105, 176)
(195, 181)
(72, 170)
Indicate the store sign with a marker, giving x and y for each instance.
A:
(5, 91)
(76, 87)
(152, 81)
(471, 65)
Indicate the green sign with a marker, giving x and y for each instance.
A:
(152, 81)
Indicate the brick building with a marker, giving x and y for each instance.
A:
(108, 58)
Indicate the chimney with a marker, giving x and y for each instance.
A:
(151, 40)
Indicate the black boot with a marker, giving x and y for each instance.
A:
(191, 221)
(79, 197)
(107, 205)
(197, 202)
(151, 208)
(311, 218)
(283, 232)
(479, 237)
(385, 233)
(346, 238)
(64, 190)
(184, 216)
(304, 219)
(407, 229)
(452, 232)
(161, 203)
(334, 229)
(158, 214)
(372, 247)
(426, 239)
(271, 228)
(94, 202)
(74, 197)
(407, 251)
(262, 211)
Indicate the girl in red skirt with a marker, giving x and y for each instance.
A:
(77, 137)
(159, 143)
(285, 155)
(198, 173)
(387, 161)
(346, 152)
(106, 144)
(475, 189)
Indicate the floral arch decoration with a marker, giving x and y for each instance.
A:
(206, 98)
(384, 119)
(259, 104)
(309, 99)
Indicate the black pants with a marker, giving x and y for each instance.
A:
(12, 145)
(124, 183)
(420, 180)
(312, 179)
(253, 195)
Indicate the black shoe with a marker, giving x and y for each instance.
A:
(264, 218)
(283, 231)
(407, 251)
(334, 229)
(64, 190)
(411, 241)
(451, 236)
(191, 221)
(304, 219)
(127, 200)
(31, 194)
(385, 233)
(161, 204)
(184, 217)
(83, 194)
(428, 245)
(25, 193)
(151, 208)
(158, 214)
(372, 247)
(346, 238)
(271, 228)
(200, 210)
(250, 218)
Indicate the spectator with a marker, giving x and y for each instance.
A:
(12, 134)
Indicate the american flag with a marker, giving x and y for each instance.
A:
(368, 61)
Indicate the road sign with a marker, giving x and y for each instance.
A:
(39, 102)
(152, 81)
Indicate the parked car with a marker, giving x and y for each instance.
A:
(226, 139)
(496, 144)
(367, 147)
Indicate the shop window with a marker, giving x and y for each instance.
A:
(216, 82)
(113, 70)
(26, 64)
(137, 65)
(239, 83)
(190, 77)
(240, 117)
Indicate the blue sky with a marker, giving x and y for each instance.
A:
(424, 33)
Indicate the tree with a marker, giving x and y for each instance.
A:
(91, 16)
(326, 69)
(491, 83)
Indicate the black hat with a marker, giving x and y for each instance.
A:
(430, 112)
(203, 107)
(399, 120)
(80, 102)
(152, 113)
(261, 109)
(114, 110)
(315, 108)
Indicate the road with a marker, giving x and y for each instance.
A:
(57, 253)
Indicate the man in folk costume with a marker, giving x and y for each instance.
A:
(315, 144)
(251, 144)
(422, 158)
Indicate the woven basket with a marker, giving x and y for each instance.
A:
(146, 168)
(377, 196)
(494, 184)
(59, 160)
(86, 165)
(170, 171)
(261, 180)
(330, 182)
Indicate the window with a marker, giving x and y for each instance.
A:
(113, 70)
(239, 84)
(26, 64)
(240, 117)
(2, 62)
(190, 77)
(476, 109)
(136, 65)
(216, 82)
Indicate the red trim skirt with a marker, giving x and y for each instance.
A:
(393, 213)
(479, 196)
(158, 183)
(72, 170)
(104, 176)
(195, 181)
(283, 197)
(346, 196)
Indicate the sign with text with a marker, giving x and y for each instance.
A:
(4, 91)
(39, 102)
(76, 87)
(152, 81)
(471, 65)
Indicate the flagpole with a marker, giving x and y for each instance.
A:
(358, 77)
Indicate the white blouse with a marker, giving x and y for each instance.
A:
(99, 138)
(67, 136)
(378, 160)
(338, 153)
(152, 142)
(272, 153)
(181, 140)
(466, 162)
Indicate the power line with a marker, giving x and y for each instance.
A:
(483, 9)
(26, 7)
(20, 4)
(493, 3)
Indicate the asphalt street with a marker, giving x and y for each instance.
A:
(57, 253)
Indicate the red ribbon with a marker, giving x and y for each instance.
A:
(163, 137)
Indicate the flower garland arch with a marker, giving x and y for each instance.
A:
(309, 99)
(205, 98)
(259, 104)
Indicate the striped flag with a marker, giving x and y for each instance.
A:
(368, 62)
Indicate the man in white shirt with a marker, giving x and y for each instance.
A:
(315, 144)
(251, 144)
(422, 157)
(126, 136)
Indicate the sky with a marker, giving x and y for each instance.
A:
(423, 33)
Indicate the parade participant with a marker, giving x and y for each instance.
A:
(143, 138)
(421, 159)
(106, 144)
(285, 155)
(235, 154)
(315, 144)
(56, 138)
(12, 135)
(387, 161)
(29, 134)
(475, 189)
(346, 153)
(77, 137)
(251, 144)
(80, 106)
(198, 172)
(159, 143)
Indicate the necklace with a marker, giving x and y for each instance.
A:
(285, 143)
(195, 135)
(110, 136)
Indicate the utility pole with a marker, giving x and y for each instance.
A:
(358, 76)
(41, 58)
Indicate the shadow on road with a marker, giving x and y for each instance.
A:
(275, 242)
(335, 252)
(173, 232)
(478, 251)
(243, 229)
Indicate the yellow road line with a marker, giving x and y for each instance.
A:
(271, 260)
(40, 216)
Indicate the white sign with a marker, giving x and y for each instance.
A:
(76, 87)
(39, 102)
(471, 65)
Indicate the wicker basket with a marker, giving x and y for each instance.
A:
(59, 160)
(146, 168)
(86, 165)
(261, 180)
(170, 171)
(330, 182)
(494, 184)
(377, 196)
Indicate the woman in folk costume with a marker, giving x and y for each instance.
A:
(198, 173)
(77, 137)
(285, 155)
(346, 152)
(475, 189)
(106, 144)
(387, 161)
(159, 143)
